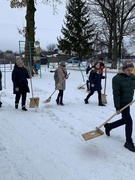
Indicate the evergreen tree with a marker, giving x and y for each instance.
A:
(78, 31)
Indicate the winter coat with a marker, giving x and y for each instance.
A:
(123, 89)
(19, 78)
(59, 76)
(95, 78)
(0, 80)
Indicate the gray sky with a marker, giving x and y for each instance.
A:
(48, 25)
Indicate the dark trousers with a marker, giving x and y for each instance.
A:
(60, 96)
(127, 120)
(88, 85)
(99, 96)
(18, 96)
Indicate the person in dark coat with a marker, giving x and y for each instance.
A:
(20, 83)
(60, 83)
(95, 83)
(123, 85)
(0, 86)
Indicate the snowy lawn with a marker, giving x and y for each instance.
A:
(46, 143)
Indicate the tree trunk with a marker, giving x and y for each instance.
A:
(30, 32)
(120, 44)
(115, 49)
(110, 45)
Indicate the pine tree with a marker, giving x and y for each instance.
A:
(78, 31)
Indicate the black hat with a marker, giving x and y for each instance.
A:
(127, 64)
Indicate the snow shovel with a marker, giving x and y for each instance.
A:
(49, 99)
(82, 86)
(98, 132)
(34, 101)
(103, 96)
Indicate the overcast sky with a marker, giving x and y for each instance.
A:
(48, 25)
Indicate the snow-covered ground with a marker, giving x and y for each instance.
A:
(46, 143)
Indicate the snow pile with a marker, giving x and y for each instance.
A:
(46, 143)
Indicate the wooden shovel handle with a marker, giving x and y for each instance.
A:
(81, 86)
(105, 80)
(59, 85)
(116, 113)
(30, 80)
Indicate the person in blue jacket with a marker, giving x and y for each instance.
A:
(20, 83)
(95, 83)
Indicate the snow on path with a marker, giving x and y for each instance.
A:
(46, 143)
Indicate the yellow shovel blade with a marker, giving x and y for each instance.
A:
(92, 134)
(104, 100)
(34, 102)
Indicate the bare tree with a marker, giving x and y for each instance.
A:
(51, 47)
(118, 17)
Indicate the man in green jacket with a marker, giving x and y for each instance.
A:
(123, 85)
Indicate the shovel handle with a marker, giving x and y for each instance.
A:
(116, 113)
(58, 86)
(53, 93)
(30, 80)
(81, 86)
(105, 80)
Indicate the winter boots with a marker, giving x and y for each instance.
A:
(0, 104)
(107, 129)
(24, 108)
(16, 105)
(100, 101)
(59, 102)
(62, 104)
(101, 104)
(130, 146)
(86, 101)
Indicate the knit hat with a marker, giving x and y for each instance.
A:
(19, 61)
(62, 63)
(127, 64)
